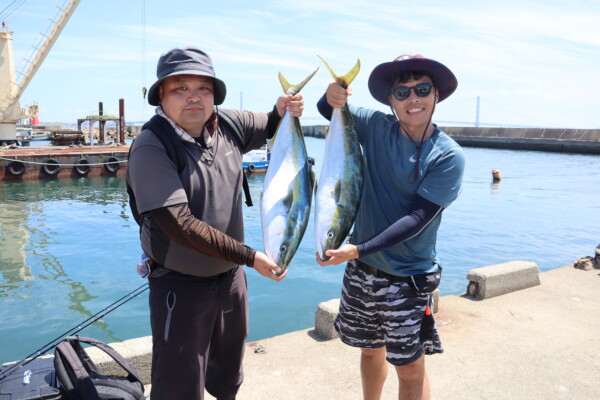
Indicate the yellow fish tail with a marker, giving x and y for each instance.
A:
(294, 89)
(345, 80)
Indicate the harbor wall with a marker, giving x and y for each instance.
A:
(584, 141)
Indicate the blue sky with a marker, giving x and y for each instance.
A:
(531, 63)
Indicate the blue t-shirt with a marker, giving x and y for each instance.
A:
(389, 189)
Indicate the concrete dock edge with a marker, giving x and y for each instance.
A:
(490, 281)
(529, 343)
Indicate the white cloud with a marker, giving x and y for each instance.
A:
(511, 54)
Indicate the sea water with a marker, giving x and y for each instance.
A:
(68, 247)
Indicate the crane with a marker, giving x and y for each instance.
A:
(10, 90)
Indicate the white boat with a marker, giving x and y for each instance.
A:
(39, 135)
(256, 161)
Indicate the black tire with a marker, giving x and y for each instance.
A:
(251, 167)
(51, 167)
(112, 164)
(82, 167)
(16, 168)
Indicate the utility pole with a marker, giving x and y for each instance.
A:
(477, 113)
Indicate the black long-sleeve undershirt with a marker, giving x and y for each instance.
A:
(324, 107)
(407, 227)
(180, 226)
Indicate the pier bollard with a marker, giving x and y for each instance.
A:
(324, 318)
(498, 279)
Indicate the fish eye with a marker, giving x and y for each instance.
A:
(330, 235)
(283, 249)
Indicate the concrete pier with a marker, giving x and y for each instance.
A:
(583, 141)
(536, 343)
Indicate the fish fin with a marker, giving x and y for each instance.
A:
(337, 191)
(288, 200)
(284, 83)
(344, 81)
(271, 142)
(260, 205)
(294, 89)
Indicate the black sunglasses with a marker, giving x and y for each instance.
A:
(403, 92)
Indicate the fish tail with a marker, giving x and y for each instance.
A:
(294, 89)
(345, 80)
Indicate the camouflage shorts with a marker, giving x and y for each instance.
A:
(376, 311)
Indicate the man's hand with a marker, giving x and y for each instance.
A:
(345, 253)
(292, 104)
(336, 95)
(264, 266)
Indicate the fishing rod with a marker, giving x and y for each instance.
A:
(82, 325)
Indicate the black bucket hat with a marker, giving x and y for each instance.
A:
(380, 79)
(186, 61)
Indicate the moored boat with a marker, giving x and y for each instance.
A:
(39, 135)
(256, 161)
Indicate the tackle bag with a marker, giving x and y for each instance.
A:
(79, 377)
(35, 380)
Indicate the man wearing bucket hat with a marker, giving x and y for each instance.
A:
(191, 226)
(414, 171)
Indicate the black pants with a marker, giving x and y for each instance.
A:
(195, 345)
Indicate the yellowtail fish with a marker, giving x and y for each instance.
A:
(287, 192)
(339, 188)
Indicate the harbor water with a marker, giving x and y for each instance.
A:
(68, 247)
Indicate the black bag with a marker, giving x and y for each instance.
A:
(35, 380)
(79, 378)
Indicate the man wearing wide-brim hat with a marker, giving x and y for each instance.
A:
(188, 203)
(413, 172)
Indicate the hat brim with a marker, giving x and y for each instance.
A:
(443, 79)
(220, 90)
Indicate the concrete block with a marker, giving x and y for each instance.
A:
(495, 280)
(324, 318)
(436, 300)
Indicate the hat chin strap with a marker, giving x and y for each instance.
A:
(415, 172)
(426, 126)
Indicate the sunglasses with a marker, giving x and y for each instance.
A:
(403, 92)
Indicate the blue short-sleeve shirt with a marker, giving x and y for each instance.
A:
(390, 190)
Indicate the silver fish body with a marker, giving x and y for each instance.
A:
(339, 188)
(287, 192)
